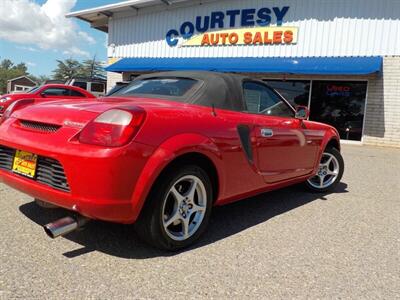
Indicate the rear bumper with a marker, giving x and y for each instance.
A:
(107, 210)
(101, 180)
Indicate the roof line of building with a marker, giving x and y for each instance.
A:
(108, 7)
(19, 77)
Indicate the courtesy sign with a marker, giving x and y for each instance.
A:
(246, 36)
(247, 26)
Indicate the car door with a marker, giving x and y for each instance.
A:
(282, 149)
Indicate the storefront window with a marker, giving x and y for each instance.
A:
(340, 104)
(295, 91)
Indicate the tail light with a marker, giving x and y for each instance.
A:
(113, 128)
(15, 106)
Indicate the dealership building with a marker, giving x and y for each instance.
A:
(341, 58)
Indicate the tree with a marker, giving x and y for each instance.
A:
(71, 68)
(6, 64)
(93, 69)
(22, 67)
(9, 71)
(67, 69)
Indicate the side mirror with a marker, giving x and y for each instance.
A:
(44, 95)
(302, 113)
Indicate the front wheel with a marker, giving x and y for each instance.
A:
(178, 209)
(330, 172)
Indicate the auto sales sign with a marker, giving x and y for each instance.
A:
(249, 27)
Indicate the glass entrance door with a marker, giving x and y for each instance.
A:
(340, 104)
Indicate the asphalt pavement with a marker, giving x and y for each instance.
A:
(284, 244)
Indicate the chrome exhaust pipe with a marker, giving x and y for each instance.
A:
(63, 226)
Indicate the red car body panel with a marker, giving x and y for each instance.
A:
(112, 183)
(38, 97)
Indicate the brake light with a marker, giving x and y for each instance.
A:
(113, 128)
(15, 106)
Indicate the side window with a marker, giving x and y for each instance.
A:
(81, 84)
(260, 99)
(77, 94)
(56, 92)
(97, 87)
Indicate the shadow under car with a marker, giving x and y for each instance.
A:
(121, 241)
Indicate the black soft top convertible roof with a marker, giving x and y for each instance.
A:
(221, 90)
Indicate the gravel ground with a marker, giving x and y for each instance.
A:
(285, 244)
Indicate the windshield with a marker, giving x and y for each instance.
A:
(33, 90)
(169, 87)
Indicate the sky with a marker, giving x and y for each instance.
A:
(36, 32)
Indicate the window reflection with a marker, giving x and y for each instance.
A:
(337, 103)
(340, 104)
(295, 91)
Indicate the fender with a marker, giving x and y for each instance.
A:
(166, 153)
(330, 134)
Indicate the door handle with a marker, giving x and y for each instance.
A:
(267, 132)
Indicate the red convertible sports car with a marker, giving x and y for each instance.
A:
(45, 92)
(163, 151)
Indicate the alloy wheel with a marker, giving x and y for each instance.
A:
(184, 208)
(327, 173)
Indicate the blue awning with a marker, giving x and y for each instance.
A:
(302, 65)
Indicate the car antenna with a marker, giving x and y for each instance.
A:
(213, 110)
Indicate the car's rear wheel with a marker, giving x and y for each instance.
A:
(330, 172)
(178, 209)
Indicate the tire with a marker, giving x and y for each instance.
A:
(329, 174)
(178, 209)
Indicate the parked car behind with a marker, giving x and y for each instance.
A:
(163, 151)
(95, 86)
(118, 86)
(45, 92)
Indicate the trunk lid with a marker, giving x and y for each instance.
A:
(78, 113)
